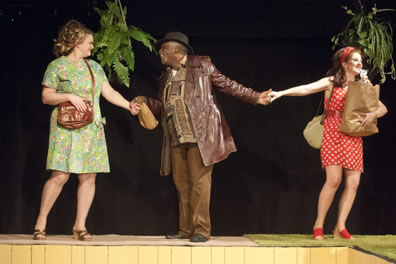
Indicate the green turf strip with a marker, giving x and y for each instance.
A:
(380, 245)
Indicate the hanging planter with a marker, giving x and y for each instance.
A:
(113, 42)
(373, 36)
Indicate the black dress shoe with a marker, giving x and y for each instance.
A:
(198, 238)
(176, 236)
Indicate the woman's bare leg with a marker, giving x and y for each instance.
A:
(51, 191)
(333, 180)
(85, 195)
(352, 180)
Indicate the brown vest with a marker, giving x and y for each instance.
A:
(178, 120)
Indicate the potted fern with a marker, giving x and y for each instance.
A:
(373, 36)
(113, 42)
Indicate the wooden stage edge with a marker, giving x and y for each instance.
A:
(121, 240)
(117, 249)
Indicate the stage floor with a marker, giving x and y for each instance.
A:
(118, 240)
(121, 249)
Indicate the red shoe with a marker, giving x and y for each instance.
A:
(318, 233)
(342, 234)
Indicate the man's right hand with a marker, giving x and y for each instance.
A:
(135, 104)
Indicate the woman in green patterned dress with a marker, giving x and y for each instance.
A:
(81, 151)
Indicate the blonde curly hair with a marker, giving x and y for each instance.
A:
(69, 36)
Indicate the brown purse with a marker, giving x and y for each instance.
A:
(69, 117)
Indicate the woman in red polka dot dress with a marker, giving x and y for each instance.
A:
(339, 153)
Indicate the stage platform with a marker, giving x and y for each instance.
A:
(116, 249)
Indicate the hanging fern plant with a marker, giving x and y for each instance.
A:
(113, 45)
(373, 36)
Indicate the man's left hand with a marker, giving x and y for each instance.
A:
(264, 98)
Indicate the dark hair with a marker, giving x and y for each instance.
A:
(69, 35)
(337, 70)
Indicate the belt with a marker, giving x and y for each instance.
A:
(334, 113)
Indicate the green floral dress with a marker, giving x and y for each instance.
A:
(80, 150)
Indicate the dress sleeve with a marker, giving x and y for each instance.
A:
(50, 76)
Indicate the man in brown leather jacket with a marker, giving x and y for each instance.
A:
(196, 134)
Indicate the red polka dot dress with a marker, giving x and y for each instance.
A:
(338, 148)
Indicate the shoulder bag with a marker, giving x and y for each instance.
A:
(69, 117)
(313, 132)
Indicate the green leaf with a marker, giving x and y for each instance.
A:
(129, 57)
(141, 36)
(362, 35)
(122, 71)
(385, 10)
(114, 42)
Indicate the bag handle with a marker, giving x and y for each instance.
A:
(320, 104)
(327, 107)
(93, 81)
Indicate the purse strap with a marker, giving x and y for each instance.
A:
(93, 81)
(327, 107)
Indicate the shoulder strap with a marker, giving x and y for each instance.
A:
(93, 81)
(320, 104)
(328, 104)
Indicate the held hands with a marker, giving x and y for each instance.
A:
(134, 108)
(264, 98)
(274, 95)
(269, 96)
(135, 104)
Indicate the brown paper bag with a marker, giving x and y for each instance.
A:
(361, 98)
(146, 117)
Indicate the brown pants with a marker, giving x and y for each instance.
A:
(193, 182)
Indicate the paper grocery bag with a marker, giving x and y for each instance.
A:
(146, 117)
(361, 98)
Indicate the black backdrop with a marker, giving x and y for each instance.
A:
(270, 185)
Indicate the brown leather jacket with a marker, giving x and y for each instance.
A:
(213, 134)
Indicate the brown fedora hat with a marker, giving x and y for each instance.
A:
(174, 36)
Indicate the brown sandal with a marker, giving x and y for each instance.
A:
(81, 235)
(39, 234)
